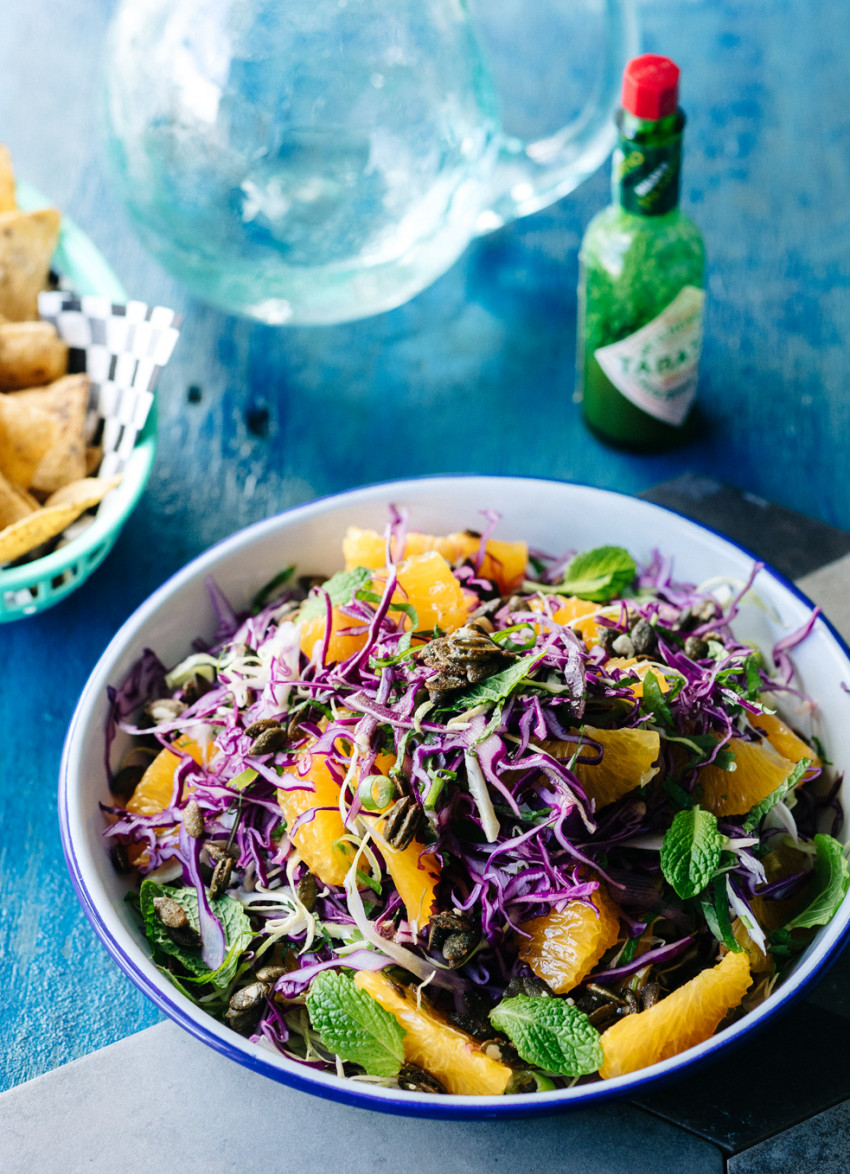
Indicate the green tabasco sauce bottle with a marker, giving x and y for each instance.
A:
(641, 279)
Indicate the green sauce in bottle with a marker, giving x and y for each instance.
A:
(642, 268)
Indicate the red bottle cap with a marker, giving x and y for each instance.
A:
(651, 86)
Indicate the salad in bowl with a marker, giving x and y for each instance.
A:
(446, 820)
(468, 819)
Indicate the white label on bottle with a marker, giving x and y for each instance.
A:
(656, 367)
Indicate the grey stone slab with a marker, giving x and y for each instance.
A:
(161, 1100)
(830, 587)
(791, 1069)
(791, 542)
(832, 992)
(821, 1144)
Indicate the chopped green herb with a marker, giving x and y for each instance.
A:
(832, 877)
(497, 688)
(231, 913)
(654, 701)
(354, 1025)
(341, 588)
(782, 791)
(690, 853)
(550, 1034)
(599, 575)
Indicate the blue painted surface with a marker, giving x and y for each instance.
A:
(476, 374)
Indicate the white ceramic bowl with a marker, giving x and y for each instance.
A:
(552, 516)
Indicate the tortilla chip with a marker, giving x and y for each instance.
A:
(85, 493)
(94, 455)
(31, 353)
(27, 242)
(15, 503)
(27, 433)
(7, 181)
(66, 401)
(30, 532)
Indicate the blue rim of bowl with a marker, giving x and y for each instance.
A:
(453, 1107)
(81, 261)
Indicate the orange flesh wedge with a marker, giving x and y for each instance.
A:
(627, 762)
(432, 1043)
(415, 874)
(347, 636)
(504, 562)
(783, 739)
(426, 582)
(638, 668)
(565, 946)
(574, 613)
(683, 1019)
(155, 789)
(317, 839)
(759, 770)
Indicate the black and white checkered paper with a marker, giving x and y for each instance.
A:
(122, 349)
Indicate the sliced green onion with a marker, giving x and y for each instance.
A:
(199, 664)
(376, 792)
(439, 778)
(243, 779)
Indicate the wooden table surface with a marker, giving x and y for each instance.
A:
(476, 374)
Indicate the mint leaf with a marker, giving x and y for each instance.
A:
(715, 909)
(550, 1034)
(353, 1025)
(599, 575)
(690, 854)
(341, 588)
(832, 876)
(761, 809)
(496, 688)
(231, 913)
(654, 701)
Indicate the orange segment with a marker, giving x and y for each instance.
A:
(415, 874)
(632, 667)
(504, 562)
(432, 1043)
(347, 636)
(626, 763)
(565, 946)
(686, 1017)
(317, 840)
(759, 770)
(783, 739)
(573, 612)
(426, 582)
(155, 789)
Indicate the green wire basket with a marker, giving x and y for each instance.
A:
(35, 586)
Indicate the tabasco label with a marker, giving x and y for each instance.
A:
(656, 367)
